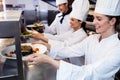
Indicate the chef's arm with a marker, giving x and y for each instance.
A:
(38, 35)
(43, 39)
(52, 28)
(35, 59)
(106, 67)
(58, 50)
(53, 62)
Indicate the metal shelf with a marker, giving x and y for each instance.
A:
(11, 28)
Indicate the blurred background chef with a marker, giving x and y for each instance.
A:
(77, 19)
(80, 13)
(61, 22)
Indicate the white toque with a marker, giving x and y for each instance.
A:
(108, 7)
(80, 9)
(61, 2)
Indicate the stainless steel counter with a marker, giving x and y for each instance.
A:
(10, 15)
(33, 72)
(3, 43)
(10, 27)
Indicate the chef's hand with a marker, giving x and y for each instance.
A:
(36, 34)
(36, 58)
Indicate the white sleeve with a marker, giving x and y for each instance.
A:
(60, 37)
(50, 36)
(69, 51)
(62, 44)
(52, 28)
(64, 36)
(57, 44)
(100, 70)
(75, 39)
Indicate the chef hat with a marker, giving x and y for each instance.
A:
(108, 7)
(80, 9)
(61, 2)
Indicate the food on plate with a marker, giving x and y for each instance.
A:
(33, 26)
(26, 50)
(11, 54)
(26, 33)
(36, 25)
(36, 50)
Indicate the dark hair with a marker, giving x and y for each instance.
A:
(83, 26)
(117, 24)
(64, 3)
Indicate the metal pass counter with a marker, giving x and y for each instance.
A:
(10, 28)
(16, 69)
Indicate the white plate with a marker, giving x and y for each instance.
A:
(30, 25)
(35, 25)
(7, 50)
(42, 48)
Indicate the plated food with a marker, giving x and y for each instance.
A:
(36, 26)
(26, 49)
(26, 33)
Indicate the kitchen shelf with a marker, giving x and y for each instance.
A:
(10, 28)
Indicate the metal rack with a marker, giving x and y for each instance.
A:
(11, 28)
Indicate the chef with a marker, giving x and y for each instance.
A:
(101, 50)
(61, 22)
(80, 14)
(69, 38)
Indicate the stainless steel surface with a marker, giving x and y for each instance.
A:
(33, 72)
(40, 72)
(10, 27)
(10, 15)
(4, 43)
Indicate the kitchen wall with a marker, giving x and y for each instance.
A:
(29, 4)
(1, 5)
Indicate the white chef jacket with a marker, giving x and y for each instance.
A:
(56, 27)
(68, 39)
(102, 59)
(60, 37)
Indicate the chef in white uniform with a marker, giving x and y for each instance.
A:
(69, 38)
(101, 50)
(78, 15)
(61, 22)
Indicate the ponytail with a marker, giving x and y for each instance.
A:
(117, 24)
(84, 26)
